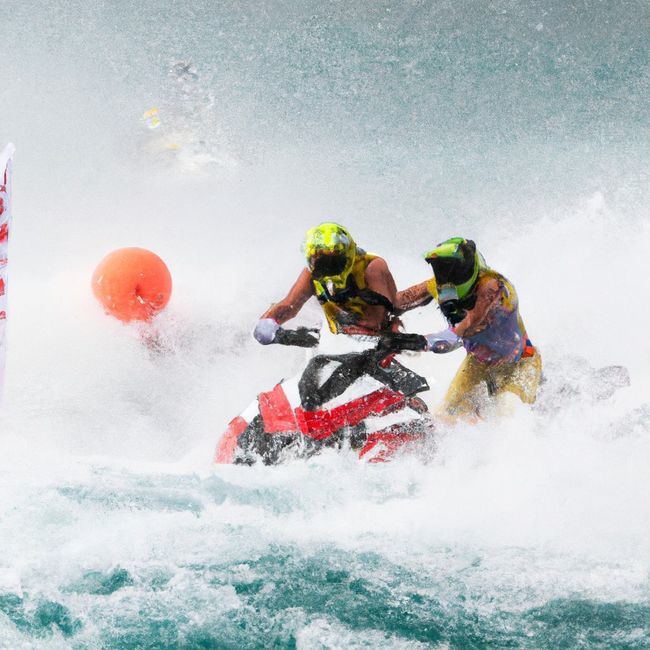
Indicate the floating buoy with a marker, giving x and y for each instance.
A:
(132, 284)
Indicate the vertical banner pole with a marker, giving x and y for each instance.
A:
(5, 222)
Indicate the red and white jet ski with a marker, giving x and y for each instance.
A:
(365, 401)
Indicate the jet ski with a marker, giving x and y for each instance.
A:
(365, 401)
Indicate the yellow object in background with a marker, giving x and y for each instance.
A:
(151, 119)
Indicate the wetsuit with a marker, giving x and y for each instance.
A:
(499, 355)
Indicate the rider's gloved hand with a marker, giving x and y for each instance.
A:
(265, 330)
(445, 341)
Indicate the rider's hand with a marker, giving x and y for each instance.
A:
(265, 330)
(445, 341)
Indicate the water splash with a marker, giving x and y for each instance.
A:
(409, 123)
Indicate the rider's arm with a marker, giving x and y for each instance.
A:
(380, 280)
(285, 310)
(488, 296)
(415, 296)
(290, 305)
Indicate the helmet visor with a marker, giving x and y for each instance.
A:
(327, 265)
(451, 270)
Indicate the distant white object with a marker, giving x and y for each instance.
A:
(5, 220)
(6, 155)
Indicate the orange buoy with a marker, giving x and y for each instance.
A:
(132, 284)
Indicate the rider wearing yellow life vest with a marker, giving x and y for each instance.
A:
(482, 309)
(355, 289)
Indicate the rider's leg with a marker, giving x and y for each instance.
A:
(466, 391)
(522, 378)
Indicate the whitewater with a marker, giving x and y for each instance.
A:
(524, 126)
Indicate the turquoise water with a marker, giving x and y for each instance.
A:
(158, 560)
(522, 125)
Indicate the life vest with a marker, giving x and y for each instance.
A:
(344, 308)
(503, 338)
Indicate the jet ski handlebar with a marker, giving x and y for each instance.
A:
(401, 341)
(304, 337)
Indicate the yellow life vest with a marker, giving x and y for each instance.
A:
(509, 299)
(344, 308)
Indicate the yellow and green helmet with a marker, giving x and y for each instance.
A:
(456, 264)
(330, 251)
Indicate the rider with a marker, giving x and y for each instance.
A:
(482, 310)
(355, 289)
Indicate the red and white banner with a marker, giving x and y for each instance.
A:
(5, 221)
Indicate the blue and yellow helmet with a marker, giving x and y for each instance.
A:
(456, 264)
(330, 252)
